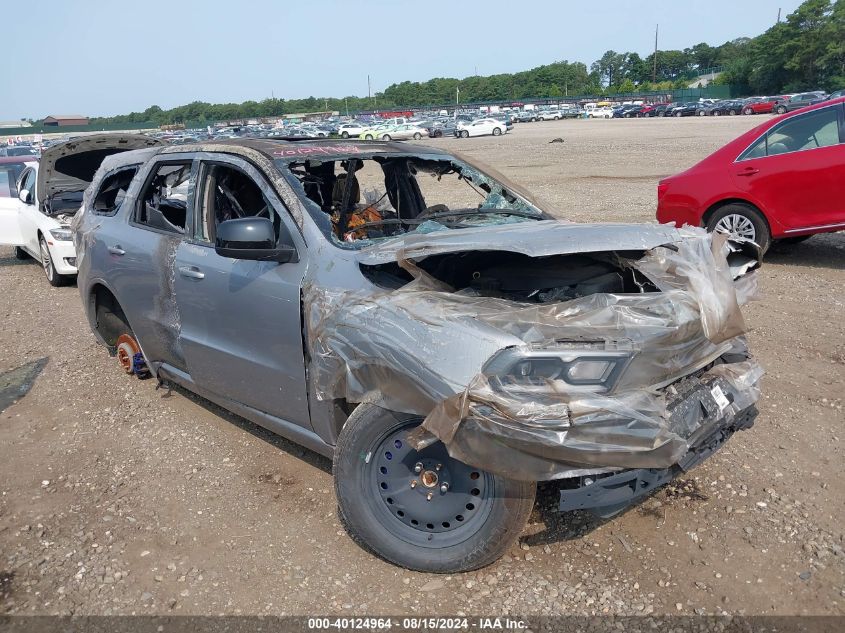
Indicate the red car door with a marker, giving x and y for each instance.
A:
(796, 171)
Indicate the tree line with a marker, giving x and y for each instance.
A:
(803, 52)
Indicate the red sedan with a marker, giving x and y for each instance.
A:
(761, 106)
(783, 180)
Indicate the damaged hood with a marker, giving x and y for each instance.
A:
(482, 364)
(541, 238)
(70, 166)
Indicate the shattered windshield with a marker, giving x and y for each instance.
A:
(359, 198)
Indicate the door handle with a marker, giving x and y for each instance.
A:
(116, 250)
(748, 171)
(191, 271)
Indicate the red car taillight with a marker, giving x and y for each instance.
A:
(662, 188)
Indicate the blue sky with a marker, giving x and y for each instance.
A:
(98, 57)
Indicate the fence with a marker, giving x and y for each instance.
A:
(37, 128)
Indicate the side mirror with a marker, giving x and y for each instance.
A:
(254, 239)
(25, 196)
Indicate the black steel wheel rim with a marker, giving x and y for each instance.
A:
(408, 497)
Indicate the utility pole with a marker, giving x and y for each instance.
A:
(457, 96)
(346, 101)
(654, 70)
(369, 90)
(778, 22)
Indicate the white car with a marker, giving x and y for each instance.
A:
(550, 115)
(353, 128)
(36, 221)
(600, 113)
(481, 127)
(403, 132)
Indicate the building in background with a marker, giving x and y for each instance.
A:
(60, 120)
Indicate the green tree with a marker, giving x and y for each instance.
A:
(608, 67)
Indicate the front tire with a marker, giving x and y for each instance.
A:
(497, 131)
(464, 134)
(748, 111)
(368, 137)
(469, 525)
(781, 110)
(417, 136)
(53, 277)
(386, 137)
(742, 220)
(344, 134)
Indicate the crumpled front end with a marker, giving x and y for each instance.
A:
(578, 382)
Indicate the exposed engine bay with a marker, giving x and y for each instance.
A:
(518, 277)
(581, 346)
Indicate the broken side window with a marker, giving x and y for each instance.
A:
(112, 191)
(374, 197)
(163, 204)
(227, 193)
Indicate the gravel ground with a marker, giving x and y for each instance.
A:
(118, 498)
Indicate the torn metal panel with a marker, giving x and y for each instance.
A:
(457, 357)
(537, 239)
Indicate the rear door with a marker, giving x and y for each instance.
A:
(10, 204)
(241, 326)
(796, 172)
(28, 219)
(141, 252)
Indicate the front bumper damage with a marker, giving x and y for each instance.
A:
(660, 434)
(606, 494)
(688, 382)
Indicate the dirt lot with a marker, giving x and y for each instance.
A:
(118, 498)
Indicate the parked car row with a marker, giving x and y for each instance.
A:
(731, 107)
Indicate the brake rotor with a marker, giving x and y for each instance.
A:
(127, 347)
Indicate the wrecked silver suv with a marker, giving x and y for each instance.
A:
(426, 324)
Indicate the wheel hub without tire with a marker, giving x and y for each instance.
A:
(426, 492)
(127, 347)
